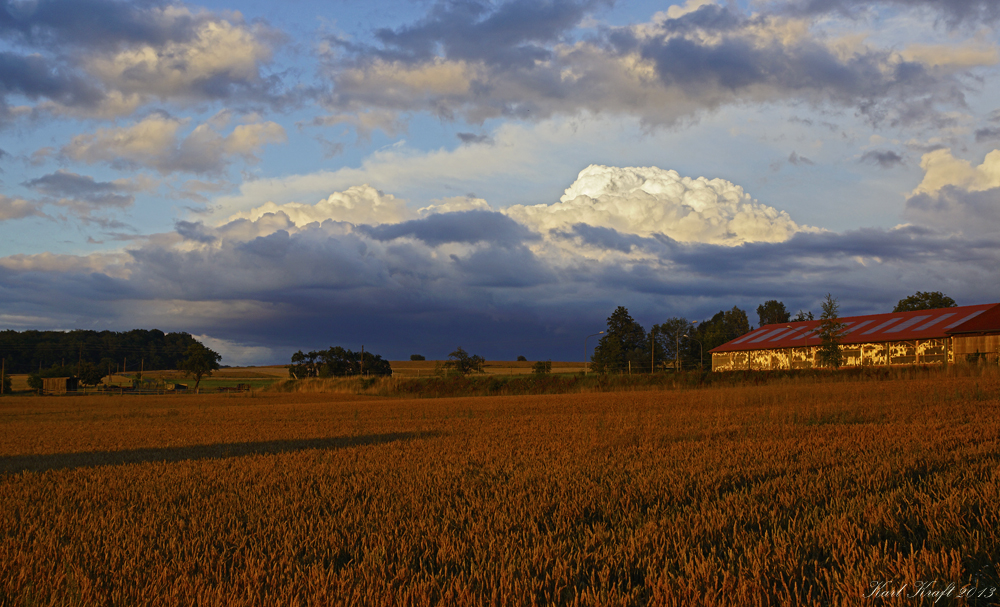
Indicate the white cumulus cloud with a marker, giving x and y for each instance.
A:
(650, 200)
(942, 169)
(357, 204)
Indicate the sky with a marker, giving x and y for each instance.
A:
(412, 176)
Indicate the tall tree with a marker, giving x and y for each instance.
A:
(831, 330)
(671, 343)
(624, 341)
(200, 362)
(924, 301)
(725, 326)
(772, 312)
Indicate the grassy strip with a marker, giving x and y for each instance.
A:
(499, 385)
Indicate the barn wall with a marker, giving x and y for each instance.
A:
(58, 385)
(966, 345)
(924, 351)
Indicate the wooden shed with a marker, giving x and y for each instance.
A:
(59, 385)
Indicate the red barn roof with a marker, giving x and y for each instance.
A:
(895, 326)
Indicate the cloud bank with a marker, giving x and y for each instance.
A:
(633, 200)
(475, 62)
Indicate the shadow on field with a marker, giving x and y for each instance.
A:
(63, 461)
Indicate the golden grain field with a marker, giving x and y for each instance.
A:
(787, 494)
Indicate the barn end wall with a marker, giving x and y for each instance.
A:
(980, 346)
(914, 352)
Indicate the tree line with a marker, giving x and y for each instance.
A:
(37, 351)
(337, 362)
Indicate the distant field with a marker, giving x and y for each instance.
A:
(262, 376)
(783, 494)
(427, 368)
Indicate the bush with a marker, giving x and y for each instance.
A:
(416, 357)
(542, 367)
(522, 359)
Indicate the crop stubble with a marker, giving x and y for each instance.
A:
(773, 495)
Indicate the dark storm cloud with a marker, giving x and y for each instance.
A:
(51, 47)
(705, 59)
(472, 138)
(737, 62)
(34, 77)
(606, 238)
(468, 227)
(885, 159)
(952, 12)
(987, 134)
(195, 231)
(91, 23)
(515, 34)
(954, 208)
(795, 159)
(500, 267)
(81, 191)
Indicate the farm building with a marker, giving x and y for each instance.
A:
(938, 336)
(59, 385)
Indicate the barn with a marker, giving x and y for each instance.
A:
(940, 336)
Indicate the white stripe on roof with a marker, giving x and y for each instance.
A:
(783, 335)
(969, 317)
(747, 336)
(908, 323)
(934, 322)
(859, 325)
(767, 334)
(882, 326)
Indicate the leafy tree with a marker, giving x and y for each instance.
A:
(200, 362)
(6, 384)
(522, 359)
(772, 312)
(831, 330)
(90, 375)
(416, 357)
(542, 367)
(670, 343)
(801, 316)
(373, 364)
(924, 301)
(624, 341)
(304, 365)
(724, 327)
(35, 382)
(464, 363)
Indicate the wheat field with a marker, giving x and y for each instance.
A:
(786, 494)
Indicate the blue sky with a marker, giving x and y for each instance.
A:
(415, 176)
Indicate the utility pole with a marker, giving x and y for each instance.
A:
(652, 351)
(362, 360)
(677, 353)
(3, 373)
